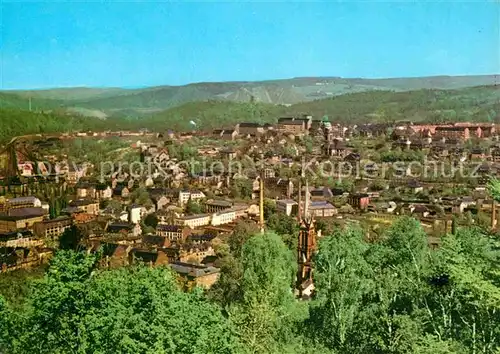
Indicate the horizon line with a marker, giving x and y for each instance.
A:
(134, 87)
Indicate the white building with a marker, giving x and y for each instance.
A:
(24, 202)
(184, 196)
(135, 214)
(193, 221)
(223, 217)
(286, 206)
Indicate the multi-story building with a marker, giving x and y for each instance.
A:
(249, 129)
(19, 238)
(10, 223)
(359, 200)
(453, 132)
(85, 190)
(295, 126)
(184, 196)
(173, 232)
(87, 206)
(224, 217)
(217, 205)
(193, 221)
(24, 202)
(52, 229)
(197, 275)
(322, 209)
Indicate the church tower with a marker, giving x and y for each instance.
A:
(305, 249)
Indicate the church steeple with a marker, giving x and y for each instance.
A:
(305, 249)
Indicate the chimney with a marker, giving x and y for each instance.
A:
(299, 213)
(306, 204)
(261, 202)
(493, 214)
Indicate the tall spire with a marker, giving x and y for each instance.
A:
(299, 213)
(261, 202)
(305, 248)
(307, 201)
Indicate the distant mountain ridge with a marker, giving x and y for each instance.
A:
(105, 102)
(470, 104)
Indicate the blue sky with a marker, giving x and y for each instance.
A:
(132, 44)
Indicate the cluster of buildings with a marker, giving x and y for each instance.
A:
(176, 219)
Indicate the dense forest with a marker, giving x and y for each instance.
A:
(394, 295)
(14, 122)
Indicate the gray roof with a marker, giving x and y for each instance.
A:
(193, 270)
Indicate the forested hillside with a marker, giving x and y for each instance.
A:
(139, 102)
(469, 104)
(14, 122)
(481, 104)
(213, 114)
(14, 101)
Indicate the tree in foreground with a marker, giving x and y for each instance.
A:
(267, 314)
(79, 309)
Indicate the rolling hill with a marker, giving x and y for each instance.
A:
(105, 102)
(465, 104)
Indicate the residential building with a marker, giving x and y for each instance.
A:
(85, 190)
(277, 185)
(197, 275)
(134, 214)
(156, 241)
(173, 232)
(74, 172)
(19, 239)
(87, 206)
(126, 229)
(217, 133)
(10, 223)
(229, 134)
(249, 129)
(193, 221)
(359, 200)
(152, 257)
(83, 218)
(200, 238)
(114, 255)
(52, 229)
(185, 196)
(322, 209)
(217, 205)
(228, 153)
(294, 126)
(224, 217)
(23, 202)
(287, 206)
(336, 148)
(372, 130)
(453, 132)
(104, 192)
